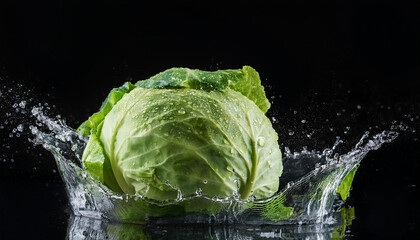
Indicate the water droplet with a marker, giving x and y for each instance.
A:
(291, 133)
(205, 181)
(261, 141)
(252, 198)
(303, 121)
(274, 119)
(22, 104)
(179, 196)
(181, 112)
(199, 192)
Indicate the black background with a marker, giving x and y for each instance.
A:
(355, 63)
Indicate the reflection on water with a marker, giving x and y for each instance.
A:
(89, 228)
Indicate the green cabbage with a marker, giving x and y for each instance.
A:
(186, 130)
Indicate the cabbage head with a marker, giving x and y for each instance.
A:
(185, 130)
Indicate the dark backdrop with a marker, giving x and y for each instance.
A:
(342, 66)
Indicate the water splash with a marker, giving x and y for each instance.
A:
(308, 184)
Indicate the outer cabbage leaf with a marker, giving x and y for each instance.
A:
(191, 78)
(94, 159)
(97, 163)
(249, 84)
(345, 185)
(91, 125)
(160, 140)
(246, 81)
